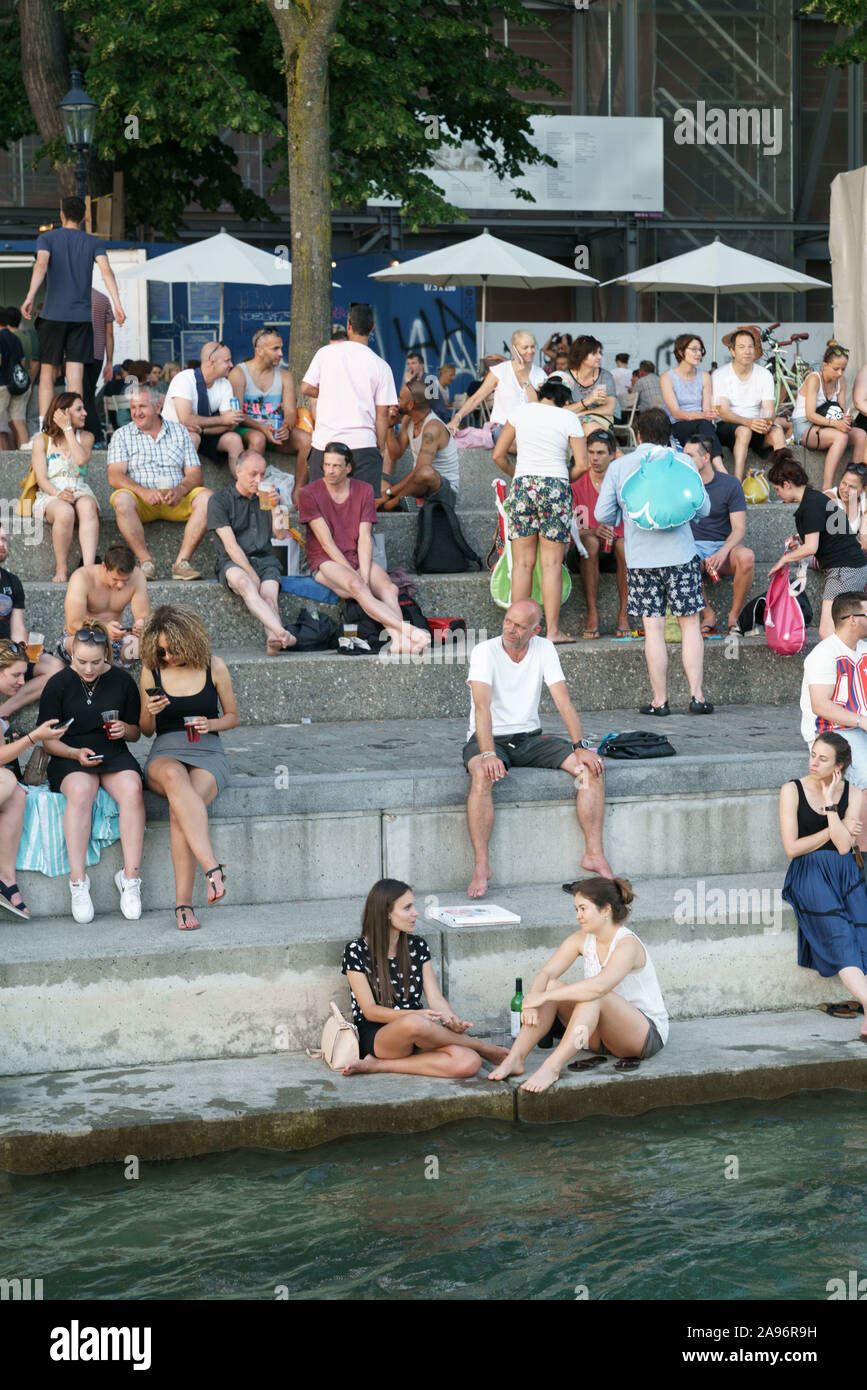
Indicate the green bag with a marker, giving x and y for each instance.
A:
(501, 576)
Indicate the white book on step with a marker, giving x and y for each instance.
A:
(475, 915)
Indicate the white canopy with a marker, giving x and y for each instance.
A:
(221, 259)
(716, 269)
(485, 260)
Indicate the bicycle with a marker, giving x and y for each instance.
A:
(787, 380)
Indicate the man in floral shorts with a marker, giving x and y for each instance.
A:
(662, 568)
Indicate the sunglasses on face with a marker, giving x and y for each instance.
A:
(86, 634)
(162, 653)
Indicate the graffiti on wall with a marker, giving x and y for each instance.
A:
(442, 337)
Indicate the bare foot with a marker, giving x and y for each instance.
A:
(364, 1064)
(560, 638)
(708, 618)
(492, 1052)
(479, 883)
(541, 1079)
(598, 863)
(59, 578)
(417, 636)
(506, 1069)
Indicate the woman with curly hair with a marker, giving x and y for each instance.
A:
(183, 689)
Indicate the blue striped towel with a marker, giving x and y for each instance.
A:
(42, 848)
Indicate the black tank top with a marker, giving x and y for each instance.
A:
(205, 702)
(810, 822)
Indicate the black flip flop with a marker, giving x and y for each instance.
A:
(587, 1063)
(6, 891)
(842, 1010)
(628, 1064)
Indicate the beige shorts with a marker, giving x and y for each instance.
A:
(15, 406)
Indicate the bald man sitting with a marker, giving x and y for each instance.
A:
(505, 678)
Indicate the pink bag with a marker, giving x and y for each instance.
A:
(785, 629)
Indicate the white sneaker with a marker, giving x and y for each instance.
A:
(25, 448)
(130, 896)
(82, 906)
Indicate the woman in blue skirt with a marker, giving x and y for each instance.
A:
(820, 817)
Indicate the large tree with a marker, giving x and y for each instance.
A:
(355, 94)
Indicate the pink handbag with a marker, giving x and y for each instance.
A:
(785, 629)
(339, 1041)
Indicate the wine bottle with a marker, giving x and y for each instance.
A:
(515, 1007)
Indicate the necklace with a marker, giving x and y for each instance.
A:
(89, 687)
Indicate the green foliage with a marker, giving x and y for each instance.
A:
(189, 73)
(851, 14)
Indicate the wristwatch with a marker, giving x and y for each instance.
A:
(582, 743)
(832, 807)
(388, 492)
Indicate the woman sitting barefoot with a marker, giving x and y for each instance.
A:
(390, 975)
(617, 1007)
(340, 514)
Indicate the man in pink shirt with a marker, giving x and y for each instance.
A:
(353, 389)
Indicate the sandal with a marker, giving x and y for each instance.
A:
(628, 1064)
(209, 875)
(621, 632)
(709, 630)
(589, 636)
(6, 891)
(842, 1010)
(183, 909)
(587, 1063)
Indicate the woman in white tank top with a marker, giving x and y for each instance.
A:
(616, 1009)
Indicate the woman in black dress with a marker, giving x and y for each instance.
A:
(820, 816)
(390, 975)
(89, 755)
(183, 684)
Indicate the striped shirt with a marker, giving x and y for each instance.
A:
(151, 461)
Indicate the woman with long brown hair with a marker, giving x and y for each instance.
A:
(183, 690)
(13, 671)
(60, 457)
(390, 975)
(616, 1009)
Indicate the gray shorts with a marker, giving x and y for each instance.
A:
(266, 567)
(652, 1043)
(532, 749)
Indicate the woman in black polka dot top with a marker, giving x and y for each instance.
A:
(390, 975)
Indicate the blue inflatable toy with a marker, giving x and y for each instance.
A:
(662, 493)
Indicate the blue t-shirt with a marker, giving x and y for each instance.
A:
(70, 273)
(726, 496)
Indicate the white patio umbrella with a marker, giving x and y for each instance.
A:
(717, 269)
(221, 259)
(485, 260)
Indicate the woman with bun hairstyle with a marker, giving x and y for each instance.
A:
(820, 418)
(390, 976)
(820, 818)
(616, 1009)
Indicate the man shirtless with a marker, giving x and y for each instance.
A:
(103, 592)
(434, 452)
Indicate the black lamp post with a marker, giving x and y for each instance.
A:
(79, 124)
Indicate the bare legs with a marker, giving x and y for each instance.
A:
(856, 983)
(740, 564)
(131, 528)
(589, 808)
(80, 790)
(189, 792)
(441, 1052)
(610, 1021)
(61, 517)
(12, 799)
(260, 596)
(589, 568)
(656, 655)
(378, 599)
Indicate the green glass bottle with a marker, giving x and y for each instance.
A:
(515, 1007)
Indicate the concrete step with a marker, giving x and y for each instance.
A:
(287, 1101)
(253, 982)
(393, 798)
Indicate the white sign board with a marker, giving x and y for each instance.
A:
(130, 340)
(604, 164)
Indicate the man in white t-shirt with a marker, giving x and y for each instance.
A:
(505, 678)
(622, 374)
(353, 389)
(744, 395)
(834, 689)
(213, 433)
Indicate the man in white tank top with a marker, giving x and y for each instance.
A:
(434, 451)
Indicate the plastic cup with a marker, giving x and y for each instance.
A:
(266, 499)
(33, 645)
(234, 403)
(109, 717)
(193, 735)
(350, 629)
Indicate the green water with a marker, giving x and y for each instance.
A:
(629, 1208)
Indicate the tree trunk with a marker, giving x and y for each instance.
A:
(45, 71)
(306, 31)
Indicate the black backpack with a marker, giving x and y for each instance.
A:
(636, 745)
(440, 545)
(313, 634)
(752, 614)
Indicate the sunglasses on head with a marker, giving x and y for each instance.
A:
(603, 437)
(87, 634)
(16, 648)
(859, 468)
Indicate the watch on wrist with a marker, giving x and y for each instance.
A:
(388, 492)
(582, 743)
(832, 807)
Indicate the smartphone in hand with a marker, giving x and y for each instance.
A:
(61, 729)
(153, 690)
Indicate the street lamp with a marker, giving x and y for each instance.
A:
(79, 124)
